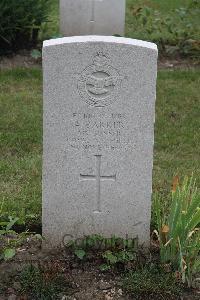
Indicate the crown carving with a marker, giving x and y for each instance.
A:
(101, 59)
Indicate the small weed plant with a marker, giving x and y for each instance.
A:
(7, 249)
(10, 240)
(9, 243)
(111, 252)
(178, 231)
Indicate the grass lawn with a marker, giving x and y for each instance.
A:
(164, 6)
(177, 135)
(21, 141)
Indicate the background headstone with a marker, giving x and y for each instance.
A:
(99, 97)
(84, 17)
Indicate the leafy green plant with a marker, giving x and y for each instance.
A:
(35, 53)
(8, 251)
(112, 258)
(9, 239)
(20, 21)
(111, 251)
(80, 247)
(80, 253)
(176, 33)
(178, 230)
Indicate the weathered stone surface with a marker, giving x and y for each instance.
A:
(82, 17)
(99, 98)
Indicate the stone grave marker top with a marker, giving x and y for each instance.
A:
(99, 102)
(82, 17)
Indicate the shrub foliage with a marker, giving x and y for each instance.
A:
(175, 32)
(20, 21)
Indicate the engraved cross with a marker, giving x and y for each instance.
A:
(98, 178)
(92, 18)
(92, 11)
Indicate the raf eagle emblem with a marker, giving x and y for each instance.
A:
(99, 82)
(100, 86)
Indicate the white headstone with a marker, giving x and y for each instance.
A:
(99, 98)
(83, 17)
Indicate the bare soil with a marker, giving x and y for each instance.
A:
(85, 280)
(22, 59)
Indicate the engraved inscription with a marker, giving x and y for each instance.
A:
(99, 83)
(96, 132)
(98, 178)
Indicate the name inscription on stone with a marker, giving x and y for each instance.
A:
(93, 131)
